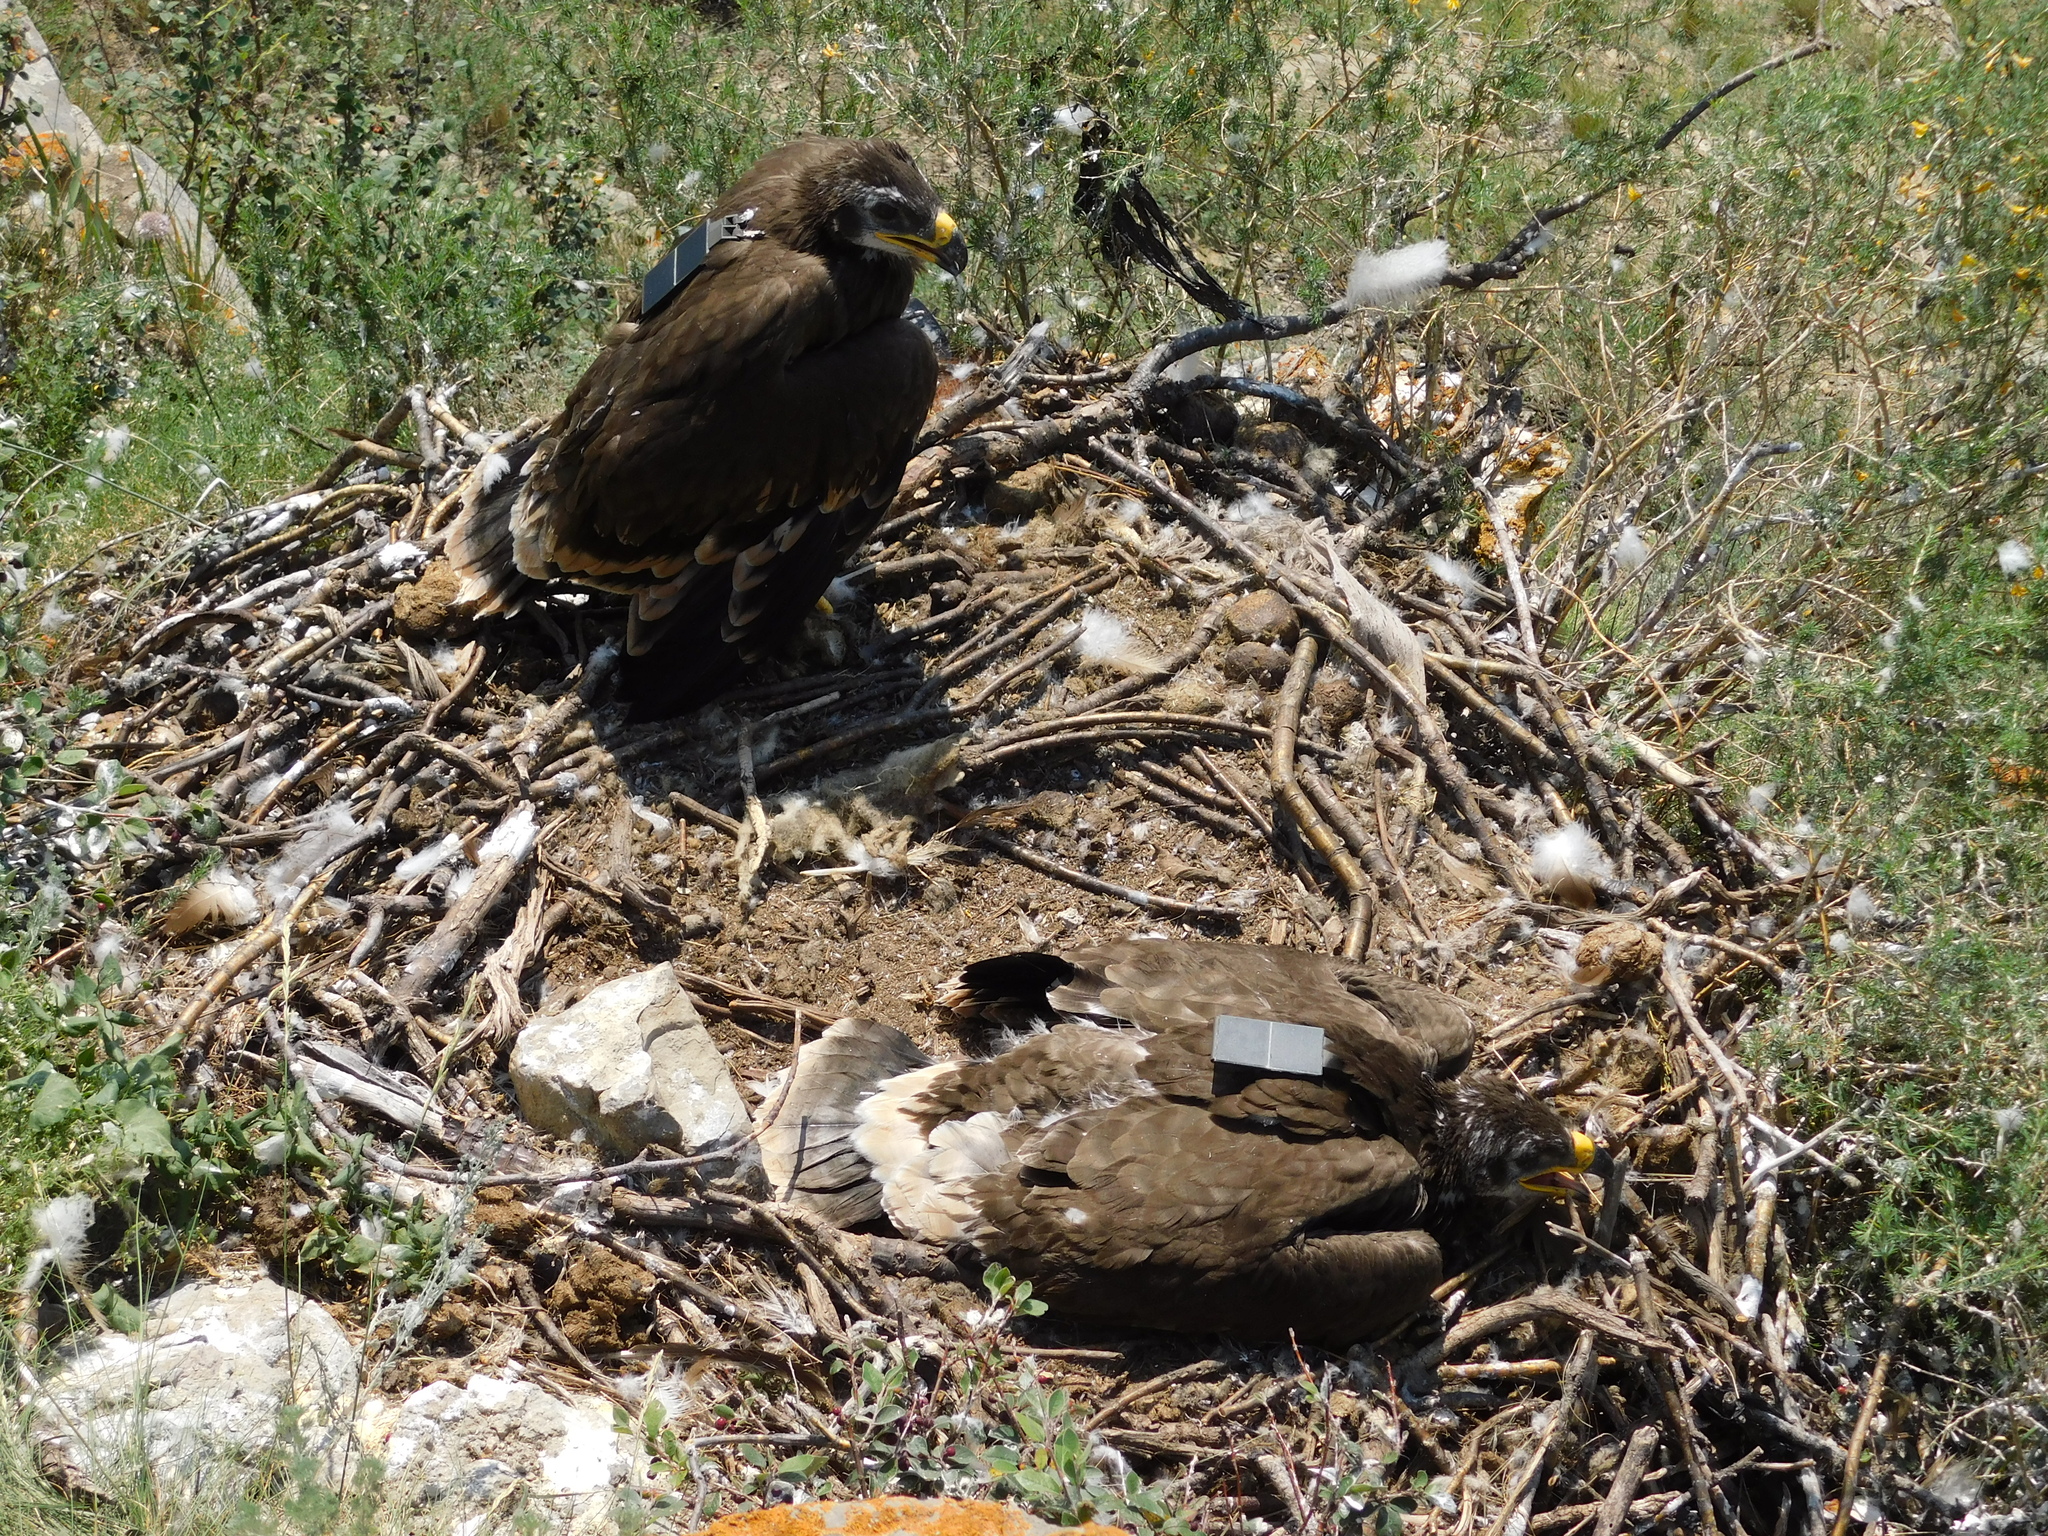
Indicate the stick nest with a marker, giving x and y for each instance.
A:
(1135, 652)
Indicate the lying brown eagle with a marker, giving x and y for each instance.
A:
(721, 459)
(1113, 1159)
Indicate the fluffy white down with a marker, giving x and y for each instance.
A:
(428, 859)
(2015, 558)
(1460, 577)
(513, 838)
(1388, 279)
(1107, 639)
(1568, 858)
(1631, 553)
(223, 899)
(926, 1181)
(60, 1226)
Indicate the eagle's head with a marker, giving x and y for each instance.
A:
(866, 193)
(1493, 1138)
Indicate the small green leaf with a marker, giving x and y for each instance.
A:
(70, 757)
(56, 1101)
(144, 1130)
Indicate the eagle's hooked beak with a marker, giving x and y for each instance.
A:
(942, 244)
(1563, 1180)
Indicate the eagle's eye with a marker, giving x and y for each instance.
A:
(891, 211)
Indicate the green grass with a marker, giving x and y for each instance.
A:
(1847, 253)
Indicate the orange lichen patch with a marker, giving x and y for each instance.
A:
(38, 154)
(1306, 369)
(1515, 480)
(892, 1517)
(1533, 453)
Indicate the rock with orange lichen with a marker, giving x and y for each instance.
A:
(894, 1517)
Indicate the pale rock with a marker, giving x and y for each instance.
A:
(217, 1363)
(629, 1064)
(478, 1457)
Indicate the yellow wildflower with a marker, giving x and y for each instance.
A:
(1920, 129)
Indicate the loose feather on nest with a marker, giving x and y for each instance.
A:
(60, 1227)
(1567, 862)
(1379, 629)
(222, 901)
(1107, 639)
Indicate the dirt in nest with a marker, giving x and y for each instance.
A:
(602, 1300)
(515, 1228)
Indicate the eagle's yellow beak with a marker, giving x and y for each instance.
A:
(1564, 1179)
(942, 244)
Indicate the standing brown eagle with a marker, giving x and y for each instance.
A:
(722, 458)
(1132, 1172)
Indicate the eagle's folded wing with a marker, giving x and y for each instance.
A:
(757, 394)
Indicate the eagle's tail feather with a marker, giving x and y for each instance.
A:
(1002, 985)
(807, 1149)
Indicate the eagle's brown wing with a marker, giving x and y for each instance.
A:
(1065, 1068)
(1159, 984)
(1437, 1022)
(1154, 1182)
(1331, 1290)
(777, 382)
